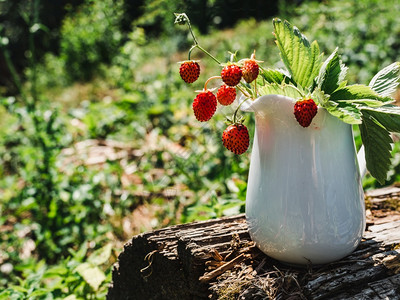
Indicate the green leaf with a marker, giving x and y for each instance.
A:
(332, 73)
(388, 116)
(280, 89)
(348, 113)
(5, 295)
(368, 102)
(39, 292)
(91, 274)
(55, 271)
(321, 98)
(357, 92)
(101, 255)
(377, 143)
(302, 59)
(386, 81)
(80, 254)
(273, 76)
(71, 297)
(19, 288)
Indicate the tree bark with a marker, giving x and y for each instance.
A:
(216, 259)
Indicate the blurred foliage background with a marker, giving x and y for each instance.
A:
(98, 140)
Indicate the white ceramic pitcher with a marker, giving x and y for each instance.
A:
(305, 202)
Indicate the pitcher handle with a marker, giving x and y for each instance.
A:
(362, 164)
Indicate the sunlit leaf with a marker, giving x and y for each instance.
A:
(19, 289)
(377, 143)
(273, 76)
(91, 274)
(367, 102)
(386, 81)
(357, 91)
(39, 292)
(58, 270)
(388, 116)
(80, 254)
(302, 59)
(321, 98)
(348, 113)
(331, 74)
(101, 255)
(278, 89)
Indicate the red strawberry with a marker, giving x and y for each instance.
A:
(226, 94)
(250, 70)
(305, 111)
(204, 106)
(231, 74)
(236, 138)
(189, 71)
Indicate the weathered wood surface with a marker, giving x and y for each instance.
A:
(216, 259)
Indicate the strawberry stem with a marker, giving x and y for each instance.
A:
(300, 92)
(190, 51)
(237, 109)
(183, 18)
(243, 92)
(209, 79)
(205, 51)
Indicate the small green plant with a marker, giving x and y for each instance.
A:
(50, 206)
(80, 276)
(90, 37)
(218, 206)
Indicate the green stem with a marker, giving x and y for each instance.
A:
(300, 92)
(209, 79)
(209, 54)
(196, 43)
(191, 31)
(243, 91)
(237, 109)
(14, 74)
(32, 58)
(190, 50)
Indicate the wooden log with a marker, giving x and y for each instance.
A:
(177, 253)
(216, 259)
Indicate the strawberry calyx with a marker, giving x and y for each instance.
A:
(235, 137)
(250, 68)
(236, 118)
(189, 60)
(252, 58)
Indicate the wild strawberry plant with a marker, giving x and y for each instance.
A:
(315, 84)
